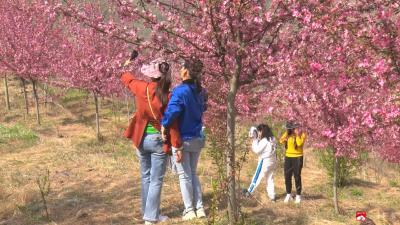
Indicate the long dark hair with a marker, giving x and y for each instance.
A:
(164, 83)
(265, 130)
(195, 68)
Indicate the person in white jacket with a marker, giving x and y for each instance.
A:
(264, 145)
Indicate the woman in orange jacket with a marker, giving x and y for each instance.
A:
(151, 100)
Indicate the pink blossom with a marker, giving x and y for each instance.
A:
(316, 66)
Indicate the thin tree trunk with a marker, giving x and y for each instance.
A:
(231, 161)
(365, 170)
(232, 206)
(25, 96)
(36, 97)
(96, 102)
(46, 87)
(6, 92)
(335, 192)
(113, 108)
(118, 109)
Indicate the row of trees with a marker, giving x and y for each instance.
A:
(39, 45)
(331, 65)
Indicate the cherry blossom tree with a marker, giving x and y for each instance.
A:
(232, 38)
(28, 43)
(91, 60)
(337, 79)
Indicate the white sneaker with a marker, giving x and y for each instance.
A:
(298, 199)
(200, 213)
(288, 198)
(162, 218)
(189, 216)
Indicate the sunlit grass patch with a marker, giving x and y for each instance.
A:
(74, 95)
(107, 145)
(356, 192)
(15, 136)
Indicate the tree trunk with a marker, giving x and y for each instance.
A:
(365, 170)
(46, 87)
(36, 97)
(118, 109)
(230, 132)
(113, 107)
(25, 96)
(96, 102)
(335, 192)
(6, 92)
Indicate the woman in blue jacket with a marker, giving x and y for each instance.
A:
(187, 105)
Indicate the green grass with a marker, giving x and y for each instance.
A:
(32, 212)
(107, 145)
(74, 95)
(17, 134)
(356, 192)
(393, 183)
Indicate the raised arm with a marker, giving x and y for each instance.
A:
(301, 139)
(284, 137)
(128, 79)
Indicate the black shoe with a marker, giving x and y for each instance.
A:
(246, 193)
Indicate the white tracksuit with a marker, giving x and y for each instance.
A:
(265, 149)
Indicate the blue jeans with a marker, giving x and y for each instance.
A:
(153, 163)
(187, 171)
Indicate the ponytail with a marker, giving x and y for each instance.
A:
(195, 68)
(164, 83)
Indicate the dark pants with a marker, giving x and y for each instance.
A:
(293, 166)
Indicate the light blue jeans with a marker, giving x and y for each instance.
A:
(187, 171)
(153, 163)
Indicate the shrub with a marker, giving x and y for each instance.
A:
(346, 167)
(393, 183)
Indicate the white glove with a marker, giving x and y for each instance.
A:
(253, 132)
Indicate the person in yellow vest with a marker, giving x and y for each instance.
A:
(293, 139)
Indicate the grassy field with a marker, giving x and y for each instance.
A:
(98, 182)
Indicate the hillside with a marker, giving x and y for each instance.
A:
(94, 182)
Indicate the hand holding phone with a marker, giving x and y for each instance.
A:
(253, 132)
(133, 56)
